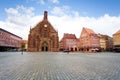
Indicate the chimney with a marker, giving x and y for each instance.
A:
(45, 15)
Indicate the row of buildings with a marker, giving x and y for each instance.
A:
(88, 41)
(43, 37)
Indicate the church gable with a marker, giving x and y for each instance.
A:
(44, 24)
(84, 33)
(43, 37)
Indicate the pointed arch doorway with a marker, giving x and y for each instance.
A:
(44, 46)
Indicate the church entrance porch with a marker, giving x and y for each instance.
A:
(44, 46)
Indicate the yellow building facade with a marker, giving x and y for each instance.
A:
(116, 41)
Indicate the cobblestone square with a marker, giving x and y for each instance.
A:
(59, 66)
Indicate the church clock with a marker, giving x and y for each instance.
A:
(45, 25)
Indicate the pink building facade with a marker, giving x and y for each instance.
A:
(69, 42)
(9, 40)
(89, 41)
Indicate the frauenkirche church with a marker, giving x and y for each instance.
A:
(43, 37)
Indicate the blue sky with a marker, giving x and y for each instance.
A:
(95, 14)
(90, 8)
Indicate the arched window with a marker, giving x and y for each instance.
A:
(45, 34)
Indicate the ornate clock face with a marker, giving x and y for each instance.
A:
(45, 25)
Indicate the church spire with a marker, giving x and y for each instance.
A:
(45, 15)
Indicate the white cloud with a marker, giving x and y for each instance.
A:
(54, 1)
(21, 18)
(43, 2)
(18, 20)
(57, 11)
(73, 24)
(60, 11)
(37, 1)
(12, 11)
(20, 15)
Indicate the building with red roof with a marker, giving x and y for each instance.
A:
(9, 41)
(106, 42)
(116, 41)
(69, 42)
(89, 40)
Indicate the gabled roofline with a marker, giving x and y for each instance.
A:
(9, 33)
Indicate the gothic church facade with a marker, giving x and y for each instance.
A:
(43, 37)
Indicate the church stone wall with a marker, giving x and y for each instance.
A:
(43, 37)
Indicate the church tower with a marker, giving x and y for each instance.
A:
(43, 37)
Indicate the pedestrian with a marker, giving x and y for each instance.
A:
(22, 52)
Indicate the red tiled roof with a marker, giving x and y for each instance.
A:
(24, 41)
(118, 32)
(69, 36)
(89, 31)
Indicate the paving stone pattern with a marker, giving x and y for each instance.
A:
(59, 66)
